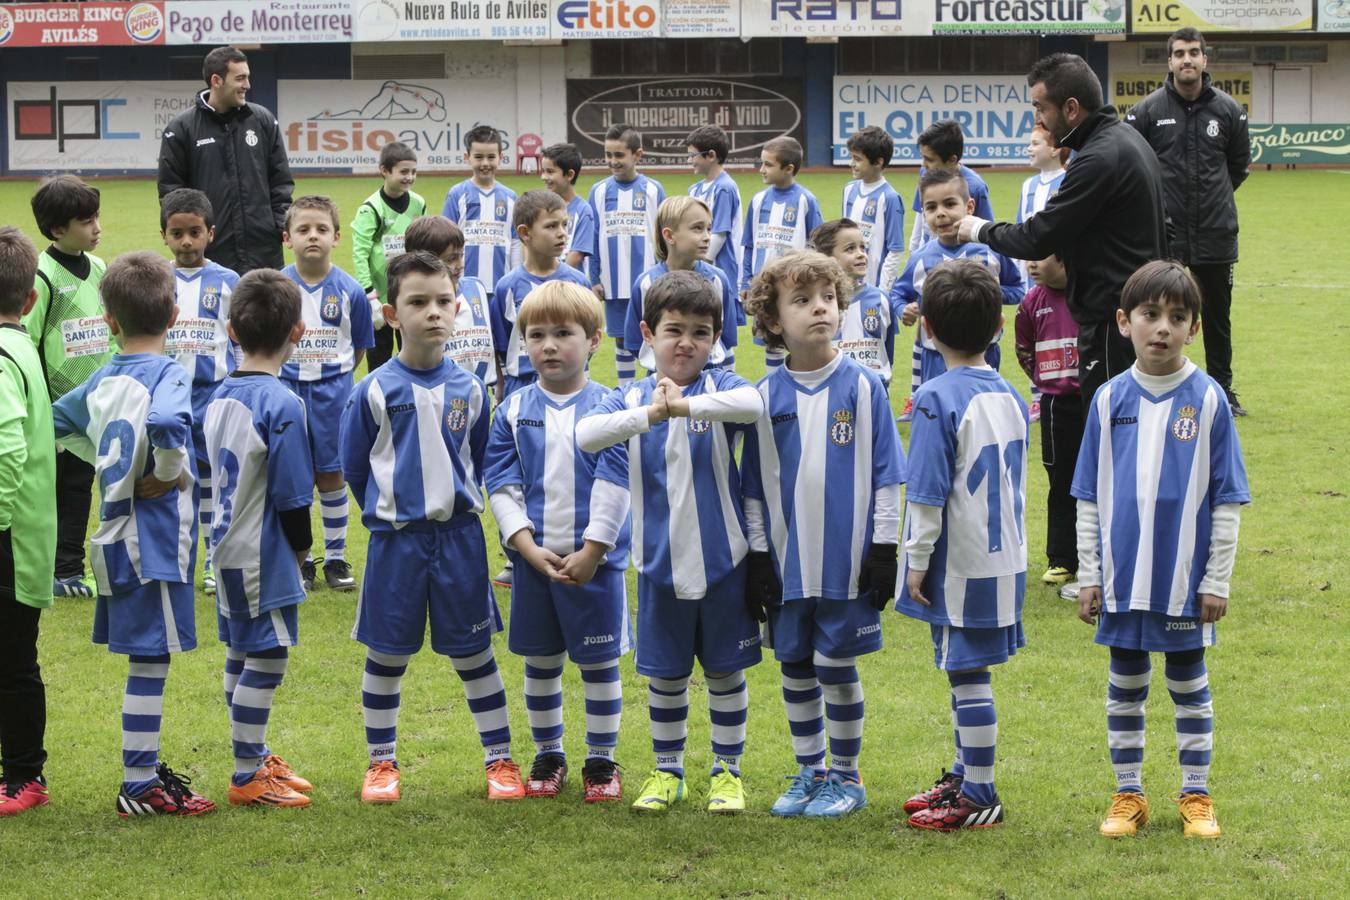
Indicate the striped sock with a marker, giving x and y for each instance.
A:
(204, 510)
(977, 722)
(142, 710)
(773, 359)
(916, 364)
(958, 764)
(380, 701)
(486, 696)
(668, 707)
(625, 365)
(1126, 691)
(334, 506)
(604, 707)
(263, 673)
(805, 712)
(234, 667)
(728, 706)
(543, 702)
(843, 692)
(1188, 683)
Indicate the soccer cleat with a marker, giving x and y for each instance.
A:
(660, 792)
(1056, 575)
(265, 789)
(503, 578)
(1197, 815)
(21, 796)
(1034, 413)
(282, 771)
(171, 797)
(1234, 406)
(338, 574)
(208, 584)
(906, 414)
(726, 793)
(381, 783)
(1129, 813)
(955, 811)
(75, 586)
(839, 797)
(1069, 592)
(947, 781)
(547, 776)
(503, 781)
(600, 779)
(802, 789)
(308, 575)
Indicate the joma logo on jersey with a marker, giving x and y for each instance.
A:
(1124, 420)
(841, 432)
(330, 310)
(871, 320)
(1185, 428)
(783, 418)
(210, 297)
(1180, 626)
(531, 423)
(591, 639)
(699, 426)
(458, 416)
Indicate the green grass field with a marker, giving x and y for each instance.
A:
(1280, 775)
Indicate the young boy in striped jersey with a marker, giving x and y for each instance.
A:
(413, 438)
(144, 548)
(670, 440)
(540, 225)
(559, 166)
(868, 326)
(199, 339)
(708, 146)
(874, 205)
(470, 344)
(568, 535)
(377, 237)
(965, 533)
(337, 334)
(778, 218)
(625, 206)
(484, 209)
(1160, 486)
(822, 562)
(256, 439)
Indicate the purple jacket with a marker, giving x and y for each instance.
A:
(1047, 341)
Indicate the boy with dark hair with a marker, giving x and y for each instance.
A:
(484, 209)
(377, 237)
(28, 552)
(470, 344)
(940, 146)
(256, 438)
(965, 532)
(871, 202)
(707, 146)
(66, 325)
(145, 545)
(558, 169)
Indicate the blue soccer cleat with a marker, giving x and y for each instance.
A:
(804, 787)
(837, 798)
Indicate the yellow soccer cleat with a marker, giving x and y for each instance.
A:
(1129, 813)
(1197, 815)
(660, 792)
(1056, 576)
(726, 793)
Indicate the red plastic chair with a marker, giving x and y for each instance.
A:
(528, 147)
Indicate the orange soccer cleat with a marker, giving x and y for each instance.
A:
(282, 771)
(382, 783)
(264, 789)
(503, 781)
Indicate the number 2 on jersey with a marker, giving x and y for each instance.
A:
(987, 468)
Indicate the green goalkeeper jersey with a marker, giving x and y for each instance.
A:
(27, 473)
(67, 323)
(377, 237)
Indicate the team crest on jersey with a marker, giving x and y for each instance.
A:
(841, 432)
(457, 419)
(790, 216)
(870, 210)
(210, 298)
(1185, 428)
(871, 320)
(1212, 129)
(639, 201)
(501, 209)
(251, 138)
(699, 426)
(330, 310)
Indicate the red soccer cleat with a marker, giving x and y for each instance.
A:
(21, 796)
(171, 797)
(547, 776)
(955, 811)
(600, 777)
(924, 799)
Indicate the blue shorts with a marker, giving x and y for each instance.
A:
(513, 383)
(836, 628)
(957, 649)
(1139, 629)
(324, 401)
(151, 620)
(427, 570)
(616, 317)
(202, 392)
(590, 622)
(278, 627)
(718, 629)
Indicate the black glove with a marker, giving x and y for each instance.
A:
(880, 568)
(763, 590)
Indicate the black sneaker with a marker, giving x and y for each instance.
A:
(307, 574)
(1234, 405)
(338, 574)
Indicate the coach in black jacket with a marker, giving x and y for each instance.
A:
(1105, 221)
(1200, 136)
(231, 150)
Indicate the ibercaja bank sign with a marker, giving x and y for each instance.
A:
(666, 110)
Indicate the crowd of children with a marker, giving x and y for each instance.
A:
(212, 407)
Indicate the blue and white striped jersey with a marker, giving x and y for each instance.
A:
(724, 200)
(580, 227)
(975, 186)
(133, 415)
(471, 346)
(507, 336)
(968, 455)
(413, 442)
(198, 340)
(533, 446)
(337, 324)
(908, 288)
(625, 222)
(259, 450)
(1036, 192)
(776, 222)
(867, 331)
(632, 332)
(485, 218)
(688, 523)
(880, 214)
(1157, 467)
(809, 443)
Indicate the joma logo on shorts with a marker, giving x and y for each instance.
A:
(869, 629)
(482, 626)
(591, 639)
(748, 642)
(1180, 626)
